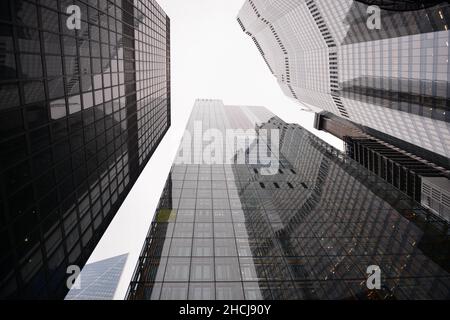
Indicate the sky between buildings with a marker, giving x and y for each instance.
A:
(212, 59)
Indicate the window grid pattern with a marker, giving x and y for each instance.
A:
(392, 80)
(69, 125)
(308, 232)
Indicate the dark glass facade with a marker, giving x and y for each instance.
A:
(388, 159)
(81, 112)
(308, 231)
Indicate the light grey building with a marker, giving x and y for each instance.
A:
(393, 79)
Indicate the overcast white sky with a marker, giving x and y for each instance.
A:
(211, 58)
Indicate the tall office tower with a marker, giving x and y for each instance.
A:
(81, 112)
(305, 225)
(408, 172)
(98, 280)
(331, 56)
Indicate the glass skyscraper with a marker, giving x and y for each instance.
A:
(99, 280)
(305, 225)
(331, 56)
(81, 112)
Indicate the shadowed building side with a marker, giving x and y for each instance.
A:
(81, 112)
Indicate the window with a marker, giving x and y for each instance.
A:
(224, 247)
(174, 291)
(34, 91)
(9, 95)
(180, 247)
(227, 269)
(11, 123)
(202, 247)
(202, 269)
(177, 269)
(31, 65)
(229, 291)
(201, 291)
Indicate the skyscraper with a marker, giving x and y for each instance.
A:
(81, 112)
(389, 73)
(99, 280)
(283, 216)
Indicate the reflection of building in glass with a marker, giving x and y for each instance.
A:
(309, 231)
(81, 112)
(99, 280)
(399, 163)
(435, 195)
(393, 79)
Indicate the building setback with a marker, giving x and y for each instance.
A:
(81, 112)
(308, 230)
(393, 79)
